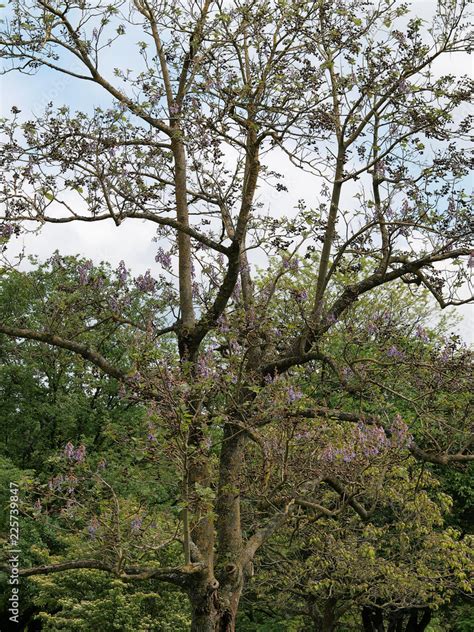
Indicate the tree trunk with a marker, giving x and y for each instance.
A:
(414, 625)
(372, 620)
(214, 610)
(417, 621)
(328, 619)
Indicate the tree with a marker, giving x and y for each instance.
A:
(346, 92)
(51, 396)
(327, 564)
(401, 561)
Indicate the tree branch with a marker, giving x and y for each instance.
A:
(56, 341)
(176, 575)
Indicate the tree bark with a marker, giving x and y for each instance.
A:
(414, 625)
(329, 620)
(214, 610)
(184, 240)
(229, 530)
(417, 621)
(372, 620)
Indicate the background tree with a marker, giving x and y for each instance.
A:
(349, 94)
(398, 563)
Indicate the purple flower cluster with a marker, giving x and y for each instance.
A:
(470, 261)
(163, 258)
(302, 436)
(394, 352)
(203, 365)
(294, 394)
(372, 328)
(122, 273)
(369, 441)
(145, 283)
(291, 264)
(75, 454)
(399, 434)
(56, 482)
(372, 440)
(222, 324)
(420, 333)
(236, 291)
(347, 373)
(331, 454)
(151, 433)
(300, 295)
(84, 270)
(92, 528)
(136, 525)
(174, 108)
(379, 168)
(6, 230)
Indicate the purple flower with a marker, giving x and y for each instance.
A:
(347, 373)
(136, 525)
(113, 303)
(329, 453)
(379, 168)
(372, 328)
(291, 264)
(223, 324)
(151, 433)
(203, 367)
(69, 450)
(80, 453)
(6, 230)
(294, 394)
(145, 282)
(299, 436)
(470, 261)
(122, 273)
(92, 528)
(348, 455)
(56, 482)
(236, 291)
(163, 258)
(420, 333)
(399, 433)
(300, 295)
(393, 352)
(235, 346)
(404, 86)
(195, 289)
(84, 270)
(174, 108)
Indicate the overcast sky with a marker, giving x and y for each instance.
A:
(132, 241)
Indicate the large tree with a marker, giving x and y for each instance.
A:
(350, 93)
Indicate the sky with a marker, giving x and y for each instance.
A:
(132, 241)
